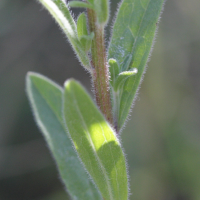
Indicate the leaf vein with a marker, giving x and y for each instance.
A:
(134, 48)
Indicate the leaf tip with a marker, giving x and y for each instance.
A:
(112, 61)
(30, 75)
(135, 70)
(69, 82)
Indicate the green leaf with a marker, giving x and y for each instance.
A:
(113, 69)
(61, 14)
(126, 63)
(86, 41)
(45, 97)
(79, 4)
(122, 77)
(95, 142)
(82, 25)
(133, 33)
(91, 1)
(102, 10)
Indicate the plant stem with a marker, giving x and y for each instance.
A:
(99, 63)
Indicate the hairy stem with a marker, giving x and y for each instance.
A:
(99, 63)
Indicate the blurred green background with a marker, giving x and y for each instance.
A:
(162, 137)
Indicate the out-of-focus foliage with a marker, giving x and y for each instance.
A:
(161, 140)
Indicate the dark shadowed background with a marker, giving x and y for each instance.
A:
(161, 139)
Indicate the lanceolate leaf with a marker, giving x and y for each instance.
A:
(86, 41)
(133, 33)
(95, 142)
(82, 25)
(113, 69)
(45, 98)
(61, 14)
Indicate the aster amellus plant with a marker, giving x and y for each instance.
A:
(83, 134)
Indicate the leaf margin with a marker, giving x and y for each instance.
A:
(94, 191)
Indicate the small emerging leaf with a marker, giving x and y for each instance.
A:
(86, 41)
(95, 142)
(122, 77)
(113, 69)
(79, 4)
(133, 34)
(102, 10)
(46, 100)
(82, 25)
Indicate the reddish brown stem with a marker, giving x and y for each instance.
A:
(100, 67)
